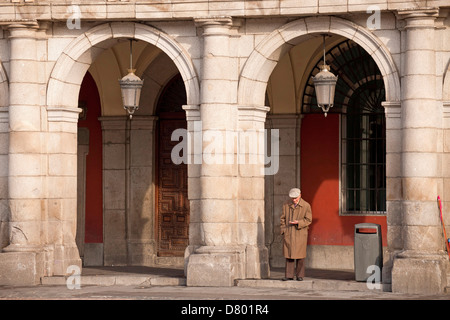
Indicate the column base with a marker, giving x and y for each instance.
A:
(220, 266)
(213, 266)
(419, 273)
(23, 268)
(257, 262)
(26, 265)
(64, 257)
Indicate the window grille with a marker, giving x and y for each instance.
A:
(359, 93)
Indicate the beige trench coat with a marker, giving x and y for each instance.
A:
(295, 236)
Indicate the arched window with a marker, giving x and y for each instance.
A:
(359, 93)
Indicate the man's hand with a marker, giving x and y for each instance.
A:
(293, 222)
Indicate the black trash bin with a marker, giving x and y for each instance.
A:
(368, 250)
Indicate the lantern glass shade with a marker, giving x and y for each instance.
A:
(131, 86)
(325, 84)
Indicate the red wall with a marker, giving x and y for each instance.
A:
(94, 195)
(320, 183)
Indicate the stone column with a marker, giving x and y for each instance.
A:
(141, 214)
(279, 182)
(392, 111)
(82, 153)
(25, 180)
(115, 230)
(250, 201)
(193, 160)
(421, 266)
(216, 257)
(61, 188)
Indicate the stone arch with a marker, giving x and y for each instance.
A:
(446, 85)
(4, 88)
(156, 78)
(4, 136)
(265, 56)
(76, 58)
(446, 93)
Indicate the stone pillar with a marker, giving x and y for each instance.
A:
(61, 188)
(279, 183)
(392, 111)
(216, 257)
(250, 200)
(115, 231)
(421, 266)
(82, 153)
(141, 214)
(128, 193)
(25, 180)
(194, 160)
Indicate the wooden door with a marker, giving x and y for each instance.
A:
(172, 200)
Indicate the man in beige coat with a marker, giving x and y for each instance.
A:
(295, 219)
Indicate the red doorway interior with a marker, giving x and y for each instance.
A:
(320, 141)
(90, 102)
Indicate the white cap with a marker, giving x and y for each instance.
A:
(294, 193)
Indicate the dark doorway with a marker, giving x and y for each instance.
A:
(172, 204)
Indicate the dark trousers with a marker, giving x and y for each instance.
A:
(297, 265)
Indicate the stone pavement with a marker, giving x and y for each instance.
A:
(163, 283)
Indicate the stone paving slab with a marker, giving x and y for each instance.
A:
(310, 284)
(120, 292)
(119, 280)
(170, 284)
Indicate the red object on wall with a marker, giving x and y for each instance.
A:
(94, 190)
(320, 141)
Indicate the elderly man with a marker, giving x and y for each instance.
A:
(295, 219)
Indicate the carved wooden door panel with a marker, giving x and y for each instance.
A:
(172, 200)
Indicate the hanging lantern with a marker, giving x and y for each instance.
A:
(325, 84)
(131, 86)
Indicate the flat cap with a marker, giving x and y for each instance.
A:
(294, 193)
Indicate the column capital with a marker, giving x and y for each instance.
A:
(192, 112)
(283, 121)
(253, 113)
(113, 122)
(7, 23)
(446, 113)
(419, 17)
(22, 29)
(213, 20)
(143, 122)
(214, 25)
(63, 114)
(392, 109)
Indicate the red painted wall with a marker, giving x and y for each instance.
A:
(94, 194)
(320, 183)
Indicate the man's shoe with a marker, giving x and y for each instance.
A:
(286, 279)
(299, 279)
